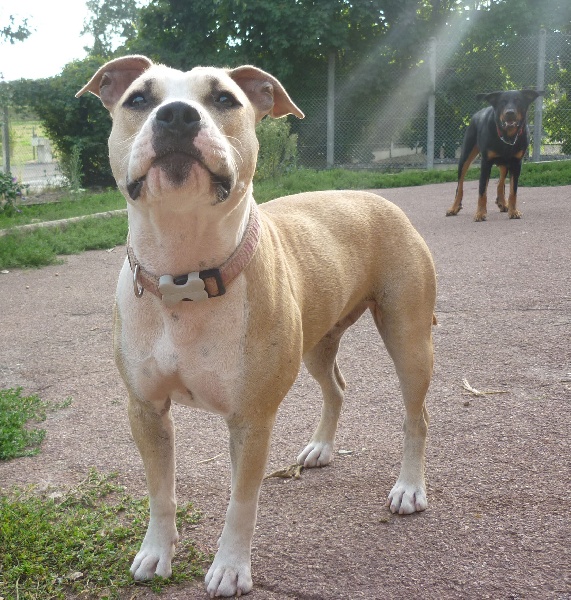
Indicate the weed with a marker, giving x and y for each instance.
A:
(80, 543)
(15, 412)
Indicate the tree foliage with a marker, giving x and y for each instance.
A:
(379, 48)
(15, 32)
(109, 22)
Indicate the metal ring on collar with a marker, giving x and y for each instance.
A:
(138, 289)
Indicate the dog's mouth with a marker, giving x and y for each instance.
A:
(510, 124)
(177, 166)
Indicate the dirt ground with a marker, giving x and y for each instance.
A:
(498, 465)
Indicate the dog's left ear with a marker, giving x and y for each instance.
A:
(265, 92)
(114, 77)
(530, 95)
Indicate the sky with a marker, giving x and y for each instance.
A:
(55, 40)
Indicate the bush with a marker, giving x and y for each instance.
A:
(10, 191)
(278, 149)
(70, 122)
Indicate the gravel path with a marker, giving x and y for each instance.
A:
(498, 465)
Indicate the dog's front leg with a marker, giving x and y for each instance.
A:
(485, 170)
(153, 431)
(230, 572)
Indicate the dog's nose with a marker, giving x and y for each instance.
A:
(178, 117)
(510, 114)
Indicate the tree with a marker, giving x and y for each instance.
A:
(109, 22)
(15, 32)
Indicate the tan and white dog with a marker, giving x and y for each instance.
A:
(219, 301)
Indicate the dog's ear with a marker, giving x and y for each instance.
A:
(114, 77)
(530, 95)
(491, 98)
(265, 92)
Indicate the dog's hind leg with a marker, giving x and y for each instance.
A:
(321, 363)
(408, 338)
(515, 170)
(501, 195)
(482, 210)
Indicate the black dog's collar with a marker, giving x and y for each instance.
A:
(509, 142)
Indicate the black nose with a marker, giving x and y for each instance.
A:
(178, 117)
(510, 114)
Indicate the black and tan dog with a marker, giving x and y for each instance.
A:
(499, 133)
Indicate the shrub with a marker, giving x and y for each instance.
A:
(10, 191)
(71, 122)
(278, 149)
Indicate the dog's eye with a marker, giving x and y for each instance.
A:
(226, 99)
(136, 100)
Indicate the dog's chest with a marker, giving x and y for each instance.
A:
(192, 353)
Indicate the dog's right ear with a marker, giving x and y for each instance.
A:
(114, 77)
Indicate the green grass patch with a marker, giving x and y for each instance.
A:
(43, 246)
(533, 174)
(81, 543)
(16, 411)
(83, 204)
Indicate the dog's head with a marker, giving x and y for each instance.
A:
(510, 109)
(176, 132)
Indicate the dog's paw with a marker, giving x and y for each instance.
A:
(514, 214)
(155, 555)
(231, 579)
(479, 217)
(316, 454)
(150, 562)
(451, 212)
(502, 205)
(405, 499)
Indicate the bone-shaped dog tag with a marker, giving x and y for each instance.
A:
(173, 293)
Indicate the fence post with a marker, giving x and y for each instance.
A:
(431, 105)
(331, 111)
(540, 86)
(5, 141)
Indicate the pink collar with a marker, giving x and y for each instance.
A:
(200, 285)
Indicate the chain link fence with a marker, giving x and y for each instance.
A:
(26, 152)
(420, 121)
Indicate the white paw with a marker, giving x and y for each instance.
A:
(406, 498)
(316, 454)
(155, 555)
(228, 578)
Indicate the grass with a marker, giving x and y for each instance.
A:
(85, 204)
(533, 174)
(16, 439)
(43, 247)
(80, 543)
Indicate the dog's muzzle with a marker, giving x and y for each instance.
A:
(175, 128)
